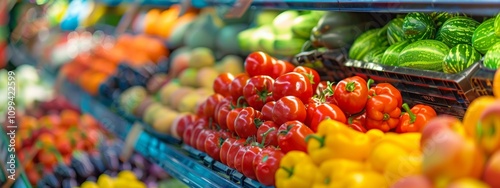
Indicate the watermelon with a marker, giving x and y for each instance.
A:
(303, 24)
(424, 54)
(366, 42)
(460, 58)
(391, 55)
(458, 30)
(418, 26)
(440, 17)
(492, 57)
(371, 56)
(484, 36)
(497, 25)
(377, 58)
(395, 31)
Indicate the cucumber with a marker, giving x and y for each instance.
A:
(424, 54)
(395, 31)
(391, 55)
(418, 26)
(366, 42)
(371, 56)
(303, 24)
(492, 57)
(460, 58)
(484, 36)
(497, 25)
(458, 30)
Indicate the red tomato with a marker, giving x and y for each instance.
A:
(202, 137)
(186, 136)
(266, 163)
(247, 164)
(258, 91)
(259, 63)
(289, 108)
(221, 83)
(207, 108)
(231, 118)
(200, 125)
(351, 95)
(213, 144)
(267, 111)
(236, 86)
(247, 122)
(326, 111)
(293, 84)
(183, 122)
(358, 122)
(224, 149)
(233, 150)
(222, 110)
(267, 134)
(281, 67)
(238, 158)
(311, 74)
(292, 136)
(322, 86)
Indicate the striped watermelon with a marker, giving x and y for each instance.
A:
(424, 54)
(492, 57)
(418, 26)
(366, 42)
(440, 17)
(458, 30)
(460, 58)
(484, 36)
(371, 56)
(497, 25)
(395, 31)
(391, 55)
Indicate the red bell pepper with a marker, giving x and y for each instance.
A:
(414, 120)
(292, 136)
(384, 89)
(382, 112)
(357, 122)
(351, 95)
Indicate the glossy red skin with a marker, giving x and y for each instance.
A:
(281, 67)
(238, 158)
(321, 87)
(379, 106)
(358, 123)
(351, 102)
(259, 63)
(292, 136)
(207, 108)
(293, 84)
(247, 164)
(200, 125)
(231, 118)
(224, 149)
(267, 111)
(202, 137)
(312, 74)
(187, 134)
(324, 111)
(289, 108)
(236, 86)
(271, 137)
(245, 124)
(233, 150)
(184, 122)
(258, 91)
(266, 163)
(386, 89)
(221, 83)
(222, 110)
(213, 144)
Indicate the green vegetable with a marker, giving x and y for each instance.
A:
(418, 26)
(424, 54)
(458, 30)
(374, 55)
(440, 17)
(303, 24)
(460, 58)
(492, 57)
(366, 42)
(391, 55)
(497, 25)
(395, 31)
(484, 36)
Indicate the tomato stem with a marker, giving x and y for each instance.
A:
(386, 117)
(412, 115)
(264, 135)
(369, 83)
(288, 128)
(288, 170)
(354, 116)
(239, 104)
(350, 86)
(321, 140)
(221, 141)
(311, 78)
(258, 122)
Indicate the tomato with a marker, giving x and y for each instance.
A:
(182, 123)
(247, 162)
(351, 95)
(267, 134)
(187, 134)
(247, 122)
(207, 108)
(259, 63)
(212, 145)
(200, 125)
(236, 86)
(311, 74)
(221, 83)
(326, 111)
(267, 111)
(233, 150)
(289, 108)
(202, 137)
(266, 163)
(222, 110)
(292, 136)
(358, 122)
(293, 84)
(224, 149)
(281, 67)
(258, 91)
(238, 158)
(231, 118)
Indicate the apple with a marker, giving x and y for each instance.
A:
(206, 77)
(201, 57)
(487, 128)
(188, 77)
(413, 182)
(179, 63)
(141, 109)
(176, 97)
(131, 98)
(163, 123)
(468, 183)
(491, 173)
(167, 90)
(230, 63)
(150, 111)
(157, 82)
(189, 103)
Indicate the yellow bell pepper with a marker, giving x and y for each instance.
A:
(393, 147)
(402, 167)
(335, 169)
(296, 170)
(473, 113)
(334, 140)
(360, 179)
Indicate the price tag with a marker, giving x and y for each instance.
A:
(131, 140)
(185, 6)
(239, 8)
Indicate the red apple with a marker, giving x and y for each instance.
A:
(468, 183)
(491, 173)
(489, 124)
(413, 182)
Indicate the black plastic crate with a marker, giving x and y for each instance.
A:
(482, 80)
(328, 65)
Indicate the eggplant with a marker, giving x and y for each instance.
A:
(51, 180)
(69, 183)
(98, 164)
(82, 165)
(64, 171)
(111, 160)
(125, 166)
